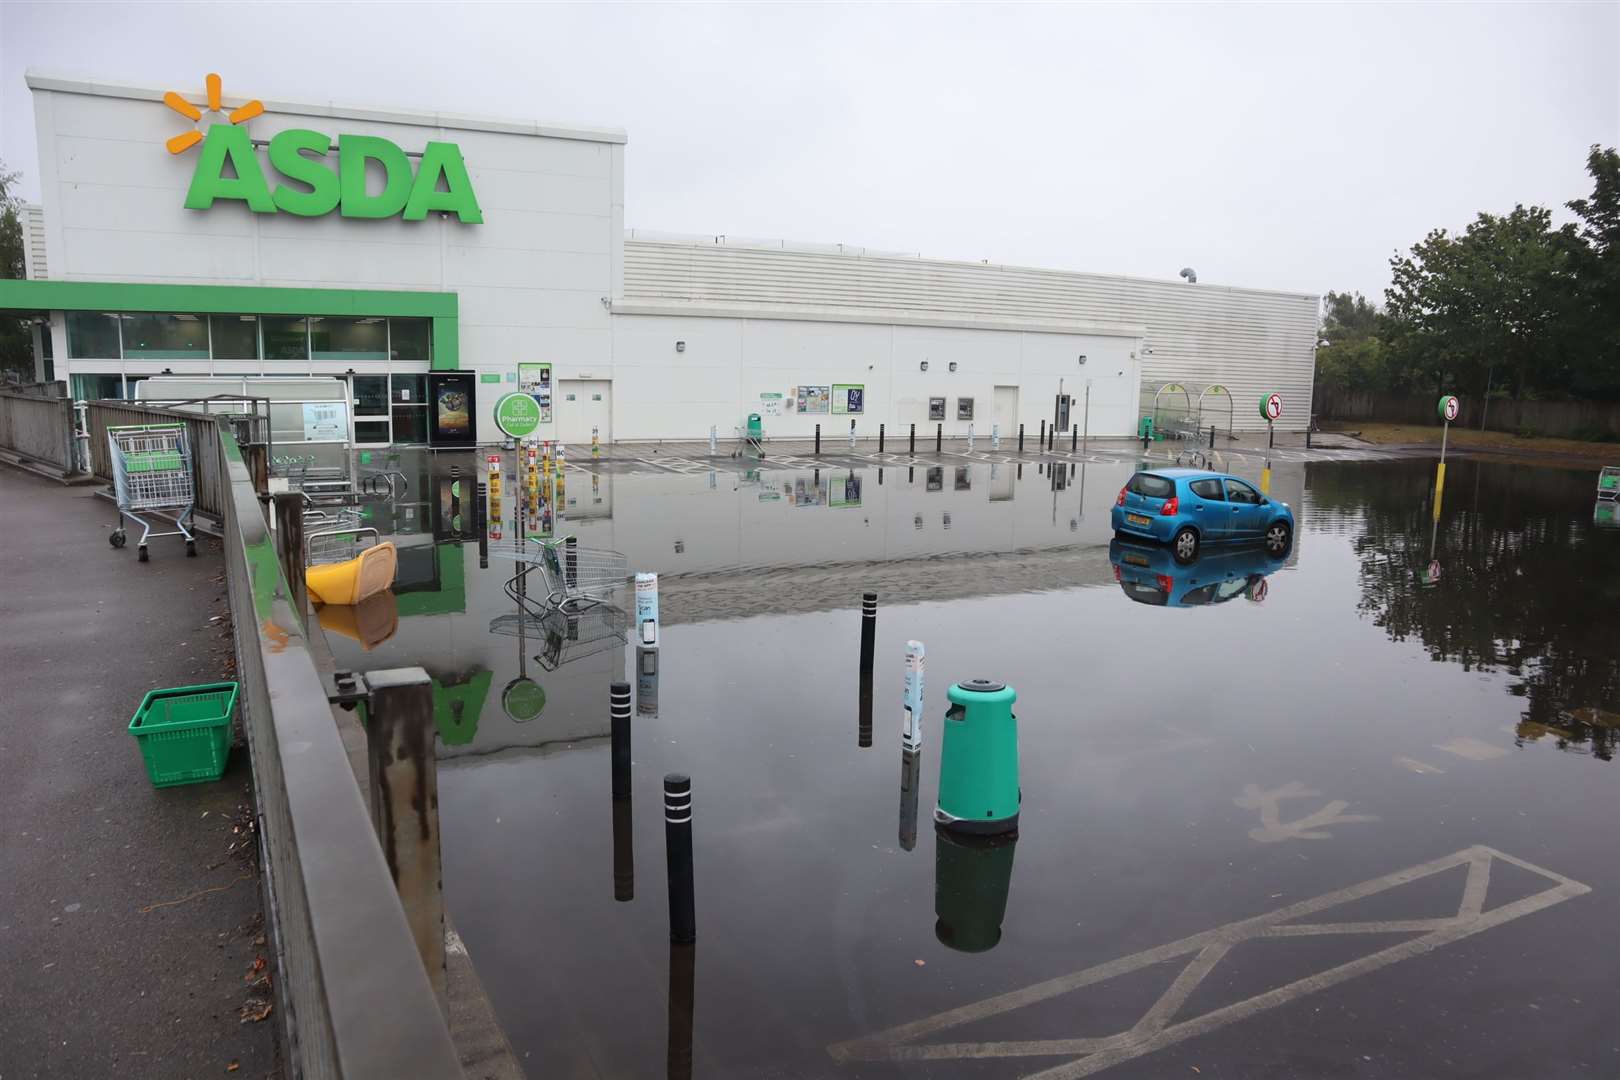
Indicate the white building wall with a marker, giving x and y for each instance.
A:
(1252, 341)
(727, 363)
(531, 279)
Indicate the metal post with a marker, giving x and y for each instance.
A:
(1271, 434)
(619, 719)
(289, 511)
(405, 806)
(678, 858)
(880, 438)
(257, 458)
(818, 440)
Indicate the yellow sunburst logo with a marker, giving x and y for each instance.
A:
(187, 139)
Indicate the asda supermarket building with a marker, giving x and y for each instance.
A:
(423, 258)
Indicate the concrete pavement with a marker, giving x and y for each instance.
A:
(128, 928)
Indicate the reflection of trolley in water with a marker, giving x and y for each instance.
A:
(152, 474)
(576, 578)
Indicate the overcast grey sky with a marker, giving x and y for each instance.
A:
(1278, 146)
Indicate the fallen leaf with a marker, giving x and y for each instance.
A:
(233, 1066)
(255, 1010)
(920, 963)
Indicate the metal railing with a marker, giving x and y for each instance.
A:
(40, 429)
(354, 997)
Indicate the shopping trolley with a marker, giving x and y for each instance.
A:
(152, 475)
(576, 578)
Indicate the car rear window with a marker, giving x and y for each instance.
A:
(1154, 487)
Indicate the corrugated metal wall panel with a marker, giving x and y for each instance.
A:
(33, 228)
(1251, 341)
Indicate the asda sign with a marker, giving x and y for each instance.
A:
(301, 179)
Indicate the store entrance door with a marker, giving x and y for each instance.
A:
(583, 404)
(1007, 411)
(369, 393)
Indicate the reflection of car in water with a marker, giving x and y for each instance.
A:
(1188, 508)
(1152, 575)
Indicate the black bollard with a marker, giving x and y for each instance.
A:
(880, 441)
(818, 440)
(1074, 439)
(1040, 444)
(868, 629)
(911, 474)
(939, 437)
(880, 477)
(678, 856)
(1051, 435)
(1144, 440)
(624, 852)
(1020, 470)
(863, 724)
(682, 972)
(1020, 438)
(481, 511)
(912, 448)
(619, 717)
(1212, 436)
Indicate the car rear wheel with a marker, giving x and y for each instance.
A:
(1278, 537)
(1184, 545)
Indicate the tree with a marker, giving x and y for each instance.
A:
(1596, 365)
(1489, 306)
(16, 341)
(1350, 350)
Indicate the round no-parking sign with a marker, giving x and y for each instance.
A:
(1448, 408)
(1270, 407)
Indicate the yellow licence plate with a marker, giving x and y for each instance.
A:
(1138, 519)
(1136, 560)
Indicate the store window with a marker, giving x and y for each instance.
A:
(92, 335)
(97, 387)
(411, 340)
(333, 337)
(165, 337)
(286, 337)
(236, 337)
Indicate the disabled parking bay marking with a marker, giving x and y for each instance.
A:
(1155, 1030)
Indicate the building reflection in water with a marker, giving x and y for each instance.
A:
(971, 877)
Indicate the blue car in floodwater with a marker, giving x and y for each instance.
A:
(1149, 574)
(1188, 508)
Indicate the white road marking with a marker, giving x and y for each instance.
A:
(1154, 1030)
(1417, 766)
(1272, 830)
(1465, 746)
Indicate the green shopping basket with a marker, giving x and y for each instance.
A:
(185, 732)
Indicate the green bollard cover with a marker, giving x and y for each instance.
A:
(978, 762)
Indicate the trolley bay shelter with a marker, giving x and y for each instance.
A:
(199, 234)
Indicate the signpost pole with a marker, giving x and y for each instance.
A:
(1448, 409)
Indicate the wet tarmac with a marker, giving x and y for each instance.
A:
(1344, 814)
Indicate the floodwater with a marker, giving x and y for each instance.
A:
(1349, 814)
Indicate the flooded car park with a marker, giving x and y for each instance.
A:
(1354, 825)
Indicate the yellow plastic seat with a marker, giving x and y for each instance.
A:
(352, 581)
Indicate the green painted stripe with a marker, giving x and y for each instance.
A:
(220, 299)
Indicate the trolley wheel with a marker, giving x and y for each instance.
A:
(144, 556)
(191, 549)
(117, 538)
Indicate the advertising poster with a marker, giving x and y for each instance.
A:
(451, 399)
(848, 398)
(845, 489)
(770, 404)
(326, 421)
(535, 380)
(815, 400)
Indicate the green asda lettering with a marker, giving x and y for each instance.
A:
(308, 187)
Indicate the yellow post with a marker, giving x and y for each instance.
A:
(1265, 479)
(1439, 487)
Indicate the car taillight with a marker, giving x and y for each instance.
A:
(1116, 574)
(1121, 500)
(1166, 583)
(1171, 507)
